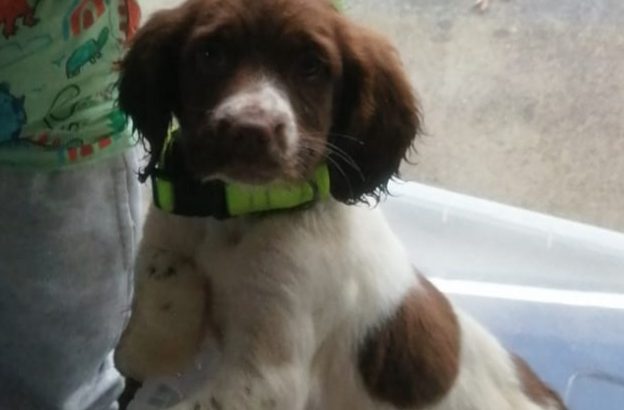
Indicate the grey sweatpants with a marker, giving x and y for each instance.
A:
(67, 243)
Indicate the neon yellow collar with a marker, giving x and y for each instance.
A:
(176, 192)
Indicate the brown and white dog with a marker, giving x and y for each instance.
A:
(315, 308)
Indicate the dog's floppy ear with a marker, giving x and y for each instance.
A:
(149, 78)
(376, 117)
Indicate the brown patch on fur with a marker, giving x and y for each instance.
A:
(412, 359)
(533, 387)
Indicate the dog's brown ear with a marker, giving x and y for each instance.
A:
(149, 77)
(376, 117)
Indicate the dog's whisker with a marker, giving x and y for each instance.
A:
(335, 134)
(323, 147)
(346, 136)
(317, 148)
(347, 161)
(346, 156)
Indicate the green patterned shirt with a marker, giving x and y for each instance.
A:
(57, 80)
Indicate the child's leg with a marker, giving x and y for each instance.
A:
(67, 242)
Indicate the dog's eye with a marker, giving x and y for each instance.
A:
(311, 66)
(212, 58)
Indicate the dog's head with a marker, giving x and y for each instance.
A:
(266, 90)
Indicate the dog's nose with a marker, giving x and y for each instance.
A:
(250, 135)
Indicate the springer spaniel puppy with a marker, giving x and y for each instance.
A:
(315, 307)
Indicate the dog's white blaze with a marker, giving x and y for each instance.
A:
(262, 95)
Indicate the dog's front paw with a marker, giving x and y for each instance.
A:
(244, 394)
(168, 319)
(244, 397)
(158, 264)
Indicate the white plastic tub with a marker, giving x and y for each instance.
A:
(552, 290)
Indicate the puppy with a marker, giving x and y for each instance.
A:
(314, 307)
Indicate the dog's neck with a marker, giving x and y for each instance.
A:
(310, 217)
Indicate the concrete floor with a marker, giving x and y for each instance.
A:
(523, 104)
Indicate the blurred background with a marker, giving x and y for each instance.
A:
(523, 102)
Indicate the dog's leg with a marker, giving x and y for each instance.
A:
(276, 389)
(267, 350)
(168, 319)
